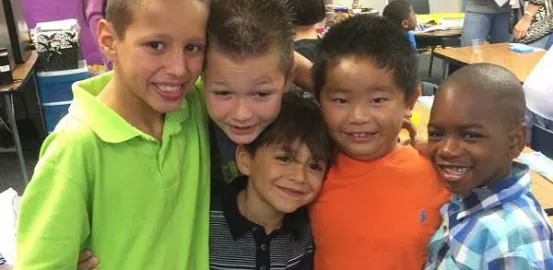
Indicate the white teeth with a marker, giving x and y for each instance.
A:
(169, 88)
(455, 170)
(360, 135)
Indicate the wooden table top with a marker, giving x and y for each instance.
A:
(20, 73)
(519, 63)
(439, 33)
(541, 187)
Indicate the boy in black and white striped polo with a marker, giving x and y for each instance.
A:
(261, 222)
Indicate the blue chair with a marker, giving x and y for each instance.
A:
(542, 140)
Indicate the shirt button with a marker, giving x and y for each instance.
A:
(262, 267)
(263, 247)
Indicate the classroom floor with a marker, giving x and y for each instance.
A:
(10, 174)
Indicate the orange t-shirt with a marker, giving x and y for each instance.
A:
(377, 214)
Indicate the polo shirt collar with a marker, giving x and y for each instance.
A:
(106, 123)
(484, 198)
(239, 225)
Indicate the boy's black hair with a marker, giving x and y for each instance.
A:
(252, 28)
(299, 121)
(308, 12)
(397, 11)
(496, 82)
(373, 38)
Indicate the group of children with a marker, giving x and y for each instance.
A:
(154, 168)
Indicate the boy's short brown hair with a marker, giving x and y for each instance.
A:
(246, 28)
(120, 13)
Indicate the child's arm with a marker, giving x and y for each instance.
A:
(53, 220)
(303, 71)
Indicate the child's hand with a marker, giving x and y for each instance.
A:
(87, 261)
(409, 126)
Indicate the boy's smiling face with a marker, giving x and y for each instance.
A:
(154, 60)
(470, 140)
(285, 179)
(363, 108)
(243, 96)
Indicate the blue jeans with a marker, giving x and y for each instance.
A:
(549, 42)
(531, 119)
(542, 42)
(486, 27)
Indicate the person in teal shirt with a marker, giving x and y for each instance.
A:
(126, 172)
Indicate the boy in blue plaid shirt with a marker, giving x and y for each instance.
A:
(493, 221)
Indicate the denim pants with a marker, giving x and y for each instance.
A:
(486, 27)
(531, 119)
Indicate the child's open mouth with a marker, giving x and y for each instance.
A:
(360, 136)
(292, 192)
(454, 173)
(242, 130)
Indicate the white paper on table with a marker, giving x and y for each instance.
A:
(500, 3)
(9, 209)
(539, 163)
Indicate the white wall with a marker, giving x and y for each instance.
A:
(436, 6)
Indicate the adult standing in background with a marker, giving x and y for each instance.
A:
(486, 20)
(538, 89)
(535, 26)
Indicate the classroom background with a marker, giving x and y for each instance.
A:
(35, 110)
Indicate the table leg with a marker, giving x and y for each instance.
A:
(11, 119)
(35, 82)
(431, 62)
(445, 70)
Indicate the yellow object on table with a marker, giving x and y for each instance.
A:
(437, 17)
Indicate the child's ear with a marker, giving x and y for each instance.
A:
(243, 160)
(107, 39)
(405, 24)
(517, 140)
(291, 76)
(411, 101)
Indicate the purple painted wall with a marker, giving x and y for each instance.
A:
(50, 10)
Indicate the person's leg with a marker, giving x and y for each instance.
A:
(500, 28)
(540, 43)
(476, 27)
(533, 119)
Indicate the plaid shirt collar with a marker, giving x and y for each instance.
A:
(481, 199)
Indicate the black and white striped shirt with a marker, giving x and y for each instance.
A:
(237, 243)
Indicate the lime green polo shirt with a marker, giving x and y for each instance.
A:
(101, 184)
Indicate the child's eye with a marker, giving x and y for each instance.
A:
(379, 100)
(471, 136)
(155, 45)
(193, 48)
(339, 100)
(315, 167)
(222, 93)
(434, 135)
(283, 158)
(260, 94)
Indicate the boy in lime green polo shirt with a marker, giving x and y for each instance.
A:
(126, 172)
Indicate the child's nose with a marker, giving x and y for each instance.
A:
(242, 111)
(359, 114)
(450, 147)
(177, 64)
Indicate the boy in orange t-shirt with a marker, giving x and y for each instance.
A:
(380, 203)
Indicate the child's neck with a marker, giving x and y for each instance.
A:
(135, 111)
(258, 211)
(306, 32)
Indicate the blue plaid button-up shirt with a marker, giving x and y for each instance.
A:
(500, 226)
